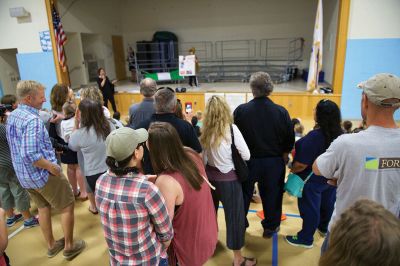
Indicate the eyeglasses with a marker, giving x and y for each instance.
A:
(168, 88)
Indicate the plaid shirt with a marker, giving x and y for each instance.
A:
(29, 142)
(134, 218)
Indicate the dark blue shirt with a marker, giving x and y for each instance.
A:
(308, 148)
(266, 127)
(185, 131)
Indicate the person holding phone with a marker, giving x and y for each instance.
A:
(107, 88)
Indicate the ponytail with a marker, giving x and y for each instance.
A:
(119, 168)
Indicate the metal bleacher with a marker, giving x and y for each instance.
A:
(236, 60)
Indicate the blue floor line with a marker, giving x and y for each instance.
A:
(275, 249)
(287, 214)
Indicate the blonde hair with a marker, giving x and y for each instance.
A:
(217, 118)
(199, 115)
(92, 93)
(28, 87)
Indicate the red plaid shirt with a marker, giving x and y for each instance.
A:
(134, 218)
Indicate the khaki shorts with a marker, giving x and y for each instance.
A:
(56, 193)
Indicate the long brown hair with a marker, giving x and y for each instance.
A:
(168, 154)
(58, 96)
(366, 234)
(92, 115)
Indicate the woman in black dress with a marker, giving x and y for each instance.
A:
(107, 88)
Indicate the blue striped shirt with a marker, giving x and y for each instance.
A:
(29, 141)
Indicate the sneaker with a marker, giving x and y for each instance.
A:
(78, 247)
(322, 233)
(12, 220)
(269, 233)
(32, 222)
(58, 246)
(295, 241)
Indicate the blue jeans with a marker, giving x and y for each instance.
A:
(316, 207)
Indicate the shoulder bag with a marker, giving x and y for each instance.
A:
(241, 169)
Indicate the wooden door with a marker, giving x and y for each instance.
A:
(119, 57)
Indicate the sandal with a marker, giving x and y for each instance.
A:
(247, 260)
(93, 212)
(77, 196)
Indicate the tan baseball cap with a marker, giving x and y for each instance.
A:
(122, 142)
(382, 89)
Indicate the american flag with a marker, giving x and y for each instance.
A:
(60, 36)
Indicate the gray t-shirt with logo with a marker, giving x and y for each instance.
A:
(366, 166)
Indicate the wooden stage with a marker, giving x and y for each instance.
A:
(291, 95)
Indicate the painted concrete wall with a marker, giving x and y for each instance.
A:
(373, 47)
(22, 33)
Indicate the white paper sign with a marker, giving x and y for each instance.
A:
(235, 99)
(164, 76)
(187, 65)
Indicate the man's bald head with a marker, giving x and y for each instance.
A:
(148, 87)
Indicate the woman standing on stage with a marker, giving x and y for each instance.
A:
(107, 88)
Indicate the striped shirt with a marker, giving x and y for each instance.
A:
(134, 218)
(5, 156)
(29, 141)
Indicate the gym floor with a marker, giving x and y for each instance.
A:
(27, 246)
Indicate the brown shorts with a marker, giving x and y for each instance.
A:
(56, 193)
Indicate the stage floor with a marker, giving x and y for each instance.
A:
(297, 85)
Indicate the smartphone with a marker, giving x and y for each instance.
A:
(188, 107)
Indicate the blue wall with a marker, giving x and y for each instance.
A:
(365, 58)
(39, 67)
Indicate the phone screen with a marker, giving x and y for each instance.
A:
(188, 108)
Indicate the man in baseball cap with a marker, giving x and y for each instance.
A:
(367, 164)
(382, 89)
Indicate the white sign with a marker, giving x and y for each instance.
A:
(235, 99)
(187, 65)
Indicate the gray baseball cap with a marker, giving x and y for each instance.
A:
(122, 142)
(382, 89)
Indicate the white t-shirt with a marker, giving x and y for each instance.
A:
(366, 165)
(66, 128)
(221, 157)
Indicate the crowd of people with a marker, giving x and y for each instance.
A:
(157, 182)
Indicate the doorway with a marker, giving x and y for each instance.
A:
(9, 74)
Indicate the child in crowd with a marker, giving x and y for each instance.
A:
(116, 120)
(195, 123)
(298, 131)
(133, 212)
(70, 158)
(199, 115)
(347, 126)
